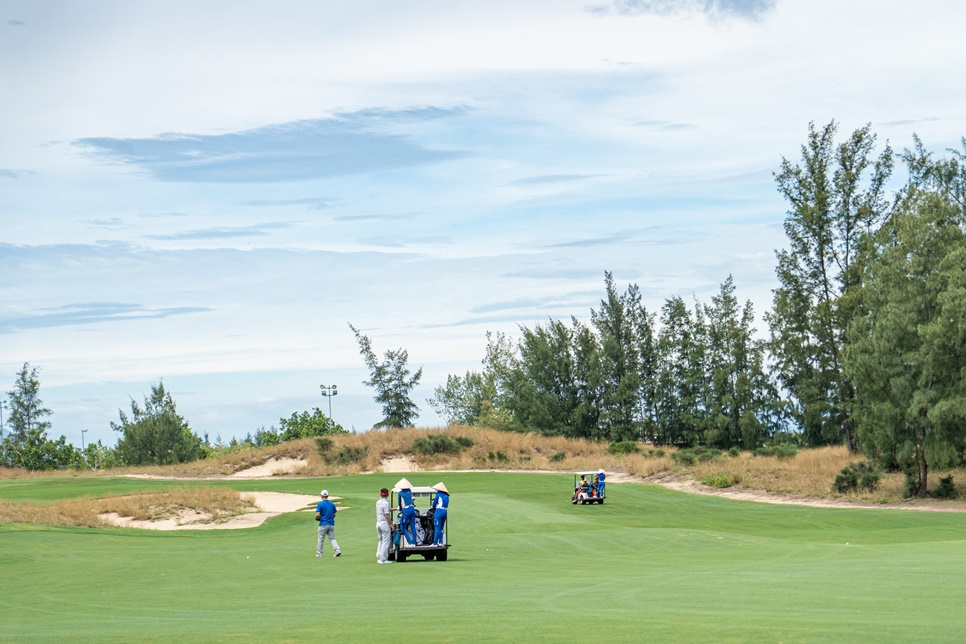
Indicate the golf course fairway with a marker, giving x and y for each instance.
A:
(525, 565)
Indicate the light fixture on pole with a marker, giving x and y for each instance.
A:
(2, 405)
(83, 431)
(328, 391)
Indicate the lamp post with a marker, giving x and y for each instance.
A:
(328, 391)
(83, 431)
(2, 405)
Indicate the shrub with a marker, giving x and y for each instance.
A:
(348, 455)
(946, 489)
(559, 456)
(497, 456)
(734, 452)
(323, 444)
(910, 483)
(441, 444)
(781, 451)
(719, 479)
(623, 447)
(697, 454)
(857, 476)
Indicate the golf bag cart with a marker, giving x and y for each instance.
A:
(399, 547)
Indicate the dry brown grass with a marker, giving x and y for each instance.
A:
(215, 504)
(809, 473)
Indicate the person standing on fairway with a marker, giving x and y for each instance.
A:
(407, 511)
(325, 515)
(600, 483)
(383, 526)
(440, 503)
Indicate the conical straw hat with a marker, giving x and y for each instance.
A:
(440, 487)
(403, 484)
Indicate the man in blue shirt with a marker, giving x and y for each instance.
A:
(407, 511)
(325, 515)
(600, 483)
(440, 503)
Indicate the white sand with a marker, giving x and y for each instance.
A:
(270, 503)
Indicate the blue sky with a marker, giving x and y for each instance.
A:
(208, 193)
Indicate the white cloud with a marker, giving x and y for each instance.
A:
(427, 171)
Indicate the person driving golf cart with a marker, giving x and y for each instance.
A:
(584, 490)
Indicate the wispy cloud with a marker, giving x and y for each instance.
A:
(716, 9)
(664, 125)
(312, 203)
(909, 121)
(7, 174)
(624, 237)
(537, 303)
(350, 143)
(89, 313)
(223, 232)
(552, 179)
(374, 217)
(110, 223)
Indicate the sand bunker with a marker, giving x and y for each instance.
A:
(270, 504)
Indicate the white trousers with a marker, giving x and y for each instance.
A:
(385, 533)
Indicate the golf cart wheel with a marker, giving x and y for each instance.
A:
(441, 555)
(429, 556)
(400, 557)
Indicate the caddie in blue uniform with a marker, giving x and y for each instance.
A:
(440, 504)
(600, 483)
(407, 511)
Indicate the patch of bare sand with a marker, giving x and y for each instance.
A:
(398, 464)
(270, 504)
(272, 467)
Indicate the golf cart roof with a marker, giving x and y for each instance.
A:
(418, 490)
(586, 472)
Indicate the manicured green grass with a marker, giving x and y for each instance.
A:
(525, 565)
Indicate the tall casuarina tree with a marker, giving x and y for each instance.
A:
(836, 197)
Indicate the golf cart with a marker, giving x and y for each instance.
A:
(399, 547)
(585, 489)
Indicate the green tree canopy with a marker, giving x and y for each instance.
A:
(907, 355)
(305, 424)
(392, 381)
(156, 434)
(836, 197)
(27, 444)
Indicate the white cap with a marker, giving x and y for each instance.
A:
(325, 493)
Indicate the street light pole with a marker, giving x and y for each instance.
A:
(2, 405)
(328, 391)
(83, 431)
